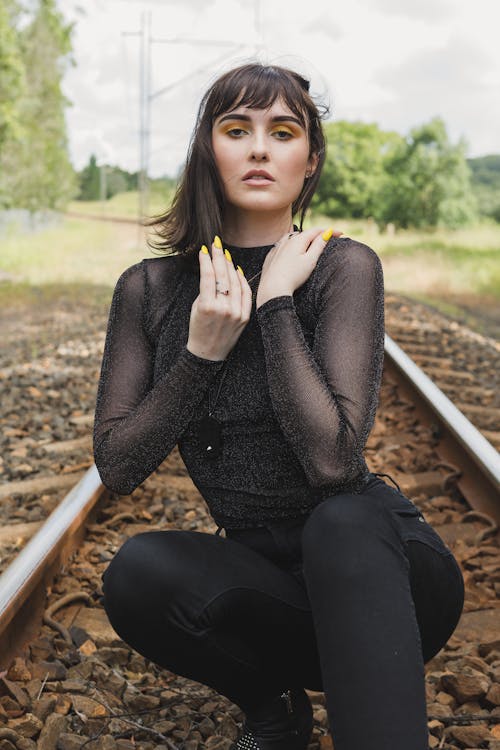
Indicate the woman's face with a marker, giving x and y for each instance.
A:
(262, 156)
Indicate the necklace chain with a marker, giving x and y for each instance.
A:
(211, 406)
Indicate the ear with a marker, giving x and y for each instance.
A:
(312, 165)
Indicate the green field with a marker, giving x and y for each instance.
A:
(458, 271)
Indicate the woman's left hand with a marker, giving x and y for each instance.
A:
(290, 262)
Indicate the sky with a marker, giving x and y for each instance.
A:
(397, 63)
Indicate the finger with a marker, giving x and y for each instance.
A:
(311, 234)
(246, 294)
(220, 265)
(234, 285)
(324, 234)
(319, 243)
(241, 293)
(303, 238)
(207, 275)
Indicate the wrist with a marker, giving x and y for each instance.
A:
(204, 353)
(266, 295)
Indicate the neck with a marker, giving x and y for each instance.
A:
(254, 229)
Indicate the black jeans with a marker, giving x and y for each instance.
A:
(351, 599)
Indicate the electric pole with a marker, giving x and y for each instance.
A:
(146, 97)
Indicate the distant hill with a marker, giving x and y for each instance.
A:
(486, 183)
(486, 170)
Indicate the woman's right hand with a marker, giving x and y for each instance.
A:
(217, 320)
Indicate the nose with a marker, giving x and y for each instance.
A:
(259, 150)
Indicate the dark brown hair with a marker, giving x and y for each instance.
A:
(197, 210)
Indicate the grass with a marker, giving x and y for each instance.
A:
(77, 250)
(457, 272)
(124, 205)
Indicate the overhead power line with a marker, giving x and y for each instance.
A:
(146, 96)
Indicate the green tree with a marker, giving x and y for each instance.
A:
(486, 170)
(116, 181)
(428, 181)
(486, 184)
(11, 73)
(90, 181)
(354, 172)
(35, 166)
(12, 86)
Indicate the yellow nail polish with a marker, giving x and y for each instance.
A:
(327, 234)
(204, 249)
(228, 255)
(217, 242)
(239, 268)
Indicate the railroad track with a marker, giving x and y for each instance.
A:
(74, 678)
(104, 217)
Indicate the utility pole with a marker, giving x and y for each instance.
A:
(144, 110)
(102, 185)
(142, 171)
(146, 97)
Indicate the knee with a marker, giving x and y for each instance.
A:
(338, 516)
(139, 569)
(342, 536)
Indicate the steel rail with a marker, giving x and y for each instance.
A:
(459, 441)
(51, 545)
(62, 531)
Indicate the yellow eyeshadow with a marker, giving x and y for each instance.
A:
(243, 125)
(235, 124)
(285, 128)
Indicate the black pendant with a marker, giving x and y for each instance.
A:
(210, 436)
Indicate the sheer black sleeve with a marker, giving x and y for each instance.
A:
(136, 424)
(325, 399)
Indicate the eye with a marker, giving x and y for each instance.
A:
(282, 134)
(235, 132)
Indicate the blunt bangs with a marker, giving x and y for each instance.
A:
(257, 88)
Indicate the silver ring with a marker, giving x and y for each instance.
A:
(220, 291)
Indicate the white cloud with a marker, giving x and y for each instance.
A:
(324, 23)
(429, 10)
(449, 81)
(395, 62)
(447, 69)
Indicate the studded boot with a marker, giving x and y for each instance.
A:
(285, 724)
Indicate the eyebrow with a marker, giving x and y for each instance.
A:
(278, 118)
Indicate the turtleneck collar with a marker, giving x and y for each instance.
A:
(247, 257)
(251, 259)
(237, 248)
(254, 249)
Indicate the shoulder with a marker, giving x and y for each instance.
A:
(348, 253)
(130, 278)
(148, 273)
(162, 274)
(346, 268)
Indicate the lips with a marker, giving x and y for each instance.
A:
(258, 174)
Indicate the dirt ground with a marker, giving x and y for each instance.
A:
(480, 314)
(40, 303)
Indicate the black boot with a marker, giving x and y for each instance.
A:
(284, 724)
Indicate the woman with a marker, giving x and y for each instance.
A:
(263, 363)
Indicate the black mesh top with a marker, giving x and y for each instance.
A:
(297, 402)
